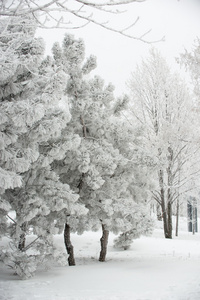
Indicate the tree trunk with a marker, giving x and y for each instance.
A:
(189, 212)
(169, 192)
(177, 216)
(163, 207)
(193, 216)
(159, 213)
(165, 220)
(69, 246)
(22, 238)
(104, 243)
(169, 219)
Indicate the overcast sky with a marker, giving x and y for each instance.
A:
(178, 21)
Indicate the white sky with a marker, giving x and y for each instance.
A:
(178, 21)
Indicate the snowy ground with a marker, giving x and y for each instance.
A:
(153, 269)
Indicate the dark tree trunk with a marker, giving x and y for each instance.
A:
(177, 216)
(166, 196)
(165, 220)
(193, 217)
(169, 217)
(22, 238)
(163, 207)
(104, 243)
(68, 245)
(169, 192)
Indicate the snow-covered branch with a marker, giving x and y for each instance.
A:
(107, 3)
(74, 14)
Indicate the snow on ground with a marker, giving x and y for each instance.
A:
(153, 269)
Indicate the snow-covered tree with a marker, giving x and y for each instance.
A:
(101, 169)
(62, 152)
(136, 182)
(162, 105)
(20, 58)
(33, 118)
(142, 224)
(191, 61)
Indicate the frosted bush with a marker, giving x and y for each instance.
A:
(22, 264)
(144, 226)
(40, 256)
(125, 239)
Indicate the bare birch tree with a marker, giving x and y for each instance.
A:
(164, 108)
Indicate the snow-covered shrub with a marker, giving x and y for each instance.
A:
(142, 226)
(38, 255)
(22, 264)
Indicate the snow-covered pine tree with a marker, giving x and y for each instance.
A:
(142, 224)
(132, 182)
(31, 127)
(18, 62)
(98, 170)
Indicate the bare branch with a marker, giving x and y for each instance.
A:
(51, 10)
(19, 11)
(133, 24)
(103, 25)
(156, 198)
(11, 219)
(108, 3)
(103, 9)
(30, 245)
